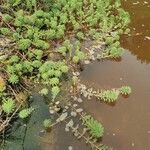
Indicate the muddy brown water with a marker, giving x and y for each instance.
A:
(127, 123)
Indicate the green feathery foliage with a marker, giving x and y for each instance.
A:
(14, 79)
(95, 128)
(36, 63)
(62, 50)
(44, 91)
(54, 81)
(41, 44)
(25, 113)
(57, 73)
(10, 69)
(112, 51)
(125, 90)
(51, 73)
(104, 147)
(55, 91)
(79, 56)
(5, 31)
(7, 18)
(8, 105)
(80, 35)
(47, 123)
(64, 68)
(24, 44)
(109, 95)
(14, 59)
(27, 66)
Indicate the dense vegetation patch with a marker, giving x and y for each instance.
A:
(48, 48)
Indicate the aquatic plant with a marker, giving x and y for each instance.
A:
(125, 90)
(105, 147)
(54, 81)
(14, 79)
(95, 128)
(14, 59)
(62, 50)
(64, 68)
(47, 123)
(79, 56)
(7, 18)
(23, 44)
(8, 105)
(80, 35)
(44, 91)
(113, 51)
(109, 95)
(55, 91)
(5, 31)
(25, 113)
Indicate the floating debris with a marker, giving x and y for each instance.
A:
(70, 123)
(76, 133)
(62, 117)
(133, 144)
(67, 129)
(70, 148)
(120, 79)
(66, 107)
(147, 37)
(75, 105)
(86, 62)
(79, 100)
(86, 92)
(136, 3)
(51, 111)
(145, 2)
(76, 73)
(73, 114)
(79, 110)
(57, 103)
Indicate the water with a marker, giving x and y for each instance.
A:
(127, 124)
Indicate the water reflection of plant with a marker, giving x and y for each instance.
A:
(43, 50)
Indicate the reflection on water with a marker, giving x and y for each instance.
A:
(139, 41)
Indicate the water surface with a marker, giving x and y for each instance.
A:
(127, 123)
